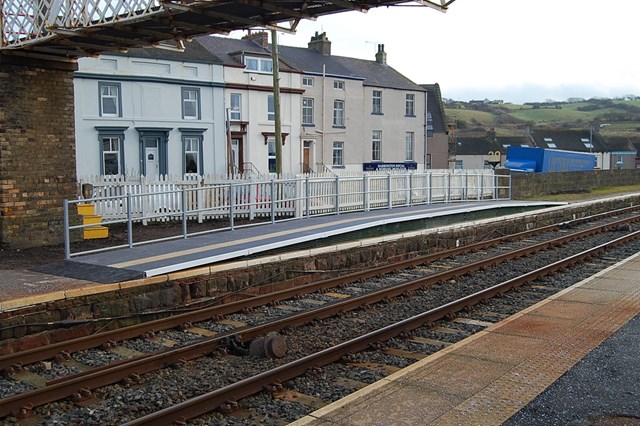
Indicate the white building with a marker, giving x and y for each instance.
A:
(150, 112)
(249, 100)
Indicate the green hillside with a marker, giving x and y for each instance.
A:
(622, 116)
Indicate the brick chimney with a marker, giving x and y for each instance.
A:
(321, 43)
(261, 38)
(381, 56)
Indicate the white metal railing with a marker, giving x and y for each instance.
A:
(118, 199)
(24, 22)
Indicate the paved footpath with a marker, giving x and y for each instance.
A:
(491, 376)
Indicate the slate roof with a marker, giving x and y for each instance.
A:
(513, 141)
(227, 48)
(571, 140)
(436, 107)
(371, 72)
(477, 146)
(193, 52)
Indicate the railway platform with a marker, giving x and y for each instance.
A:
(492, 377)
(56, 279)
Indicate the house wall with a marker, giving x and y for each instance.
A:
(37, 150)
(151, 97)
(474, 161)
(255, 88)
(360, 123)
(438, 148)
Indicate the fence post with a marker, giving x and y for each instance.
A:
(252, 198)
(389, 200)
(337, 194)
(465, 190)
(144, 200)
(273, 201)
(199, 199)
(480, 194)
(184, 213)
(410, 177)
(429, 187)
(448, 188)
(67, 242)
(129, 222)
(366, 200)
(307, 198)
(232, 195)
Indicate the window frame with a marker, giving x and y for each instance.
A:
(338, 84)
(271, 154)
(337, 154)
(376, 102)
(196, 102)
(271, 108)
(410, 105)
(117, 97)
(260, 64)
(112, 133)
(409, 146)
(307, 81)
(307, 111)
(235, 114)
(338, 113)
(189, 135)
(376, 145)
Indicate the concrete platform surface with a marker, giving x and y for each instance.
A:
(493, 375)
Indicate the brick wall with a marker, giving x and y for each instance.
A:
(37, 150)
(532, 184)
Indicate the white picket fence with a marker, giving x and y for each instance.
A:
(120, 199)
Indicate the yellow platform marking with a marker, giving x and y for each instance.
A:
(250, 239)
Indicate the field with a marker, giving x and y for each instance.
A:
(622, 117)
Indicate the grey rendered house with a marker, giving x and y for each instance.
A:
(357, 114)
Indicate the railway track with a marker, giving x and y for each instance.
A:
(397, 290)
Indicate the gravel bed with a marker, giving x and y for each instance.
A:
(51, 370)
(142, 345)
(96, 357)
(10, 387)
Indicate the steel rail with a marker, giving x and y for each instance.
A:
(12, 361)
(9, 362)
(129, 370)
(219, 398)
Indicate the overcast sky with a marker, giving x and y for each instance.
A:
(515, 50)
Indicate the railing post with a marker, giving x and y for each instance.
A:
(429, 187)
(410, 190)
(448, 188)
(232, 196)
(389, 198)
(465, 190)
(366, 197)
(67, 238)
(337, 194)
(307, 198)
(273, 201)
(184, 213)
(481, 194)
(129, 222)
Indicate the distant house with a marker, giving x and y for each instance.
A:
(438, 154)
(150, 112)
(479, 152)
(611, 153)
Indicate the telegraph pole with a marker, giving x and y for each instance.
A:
(276, 100)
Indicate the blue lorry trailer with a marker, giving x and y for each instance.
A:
(541, 160)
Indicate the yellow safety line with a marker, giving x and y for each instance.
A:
(247, 240)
